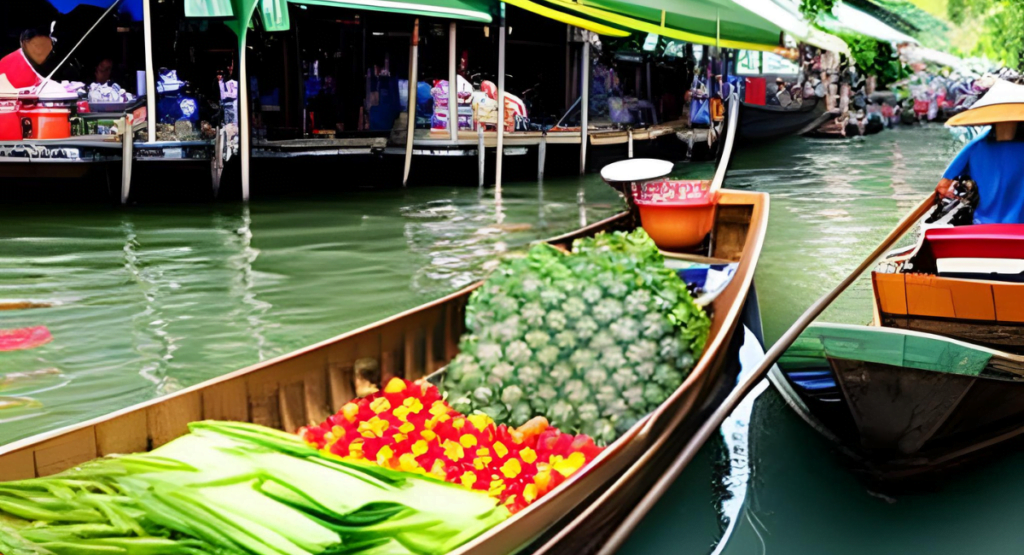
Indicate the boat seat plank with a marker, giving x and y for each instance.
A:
(890, 289)
(341, 382)
(228, 400)
(127, 433)
(731, 226)
(926, 299)
(1009, 299)
(314, 396)
(264, 405)
(65, 451)
(292, 401)
(167, 421)
(19, 465)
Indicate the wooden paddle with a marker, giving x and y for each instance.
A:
(743, 388)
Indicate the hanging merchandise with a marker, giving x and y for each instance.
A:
(700, 105)
(229, 100)
(463, 98)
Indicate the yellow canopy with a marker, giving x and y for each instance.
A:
(647, 27)
(563, 17)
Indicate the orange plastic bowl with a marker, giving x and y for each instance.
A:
(678, 215)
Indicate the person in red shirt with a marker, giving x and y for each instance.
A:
(23, 67)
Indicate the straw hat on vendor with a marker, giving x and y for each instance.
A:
(992, 160)
(1002, 106)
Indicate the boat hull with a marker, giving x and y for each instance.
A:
(766, 122)
(899, 402)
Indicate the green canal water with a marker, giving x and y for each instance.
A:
(149, 299)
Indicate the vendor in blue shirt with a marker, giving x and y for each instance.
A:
(995, 161)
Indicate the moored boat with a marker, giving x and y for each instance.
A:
(765, 122)
(306, 386)
(935, 377)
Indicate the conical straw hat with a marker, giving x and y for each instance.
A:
(1004, 102)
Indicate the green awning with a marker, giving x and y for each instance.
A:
(468, 10)
(663, 27)
(569, 19)
(274, 13)
(714, 19)
(209, 8)
(846, 19)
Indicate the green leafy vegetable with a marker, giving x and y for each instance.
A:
(233, 488)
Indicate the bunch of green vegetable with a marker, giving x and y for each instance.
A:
(592, 340)
(231, 488)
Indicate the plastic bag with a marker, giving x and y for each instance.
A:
(700, 105)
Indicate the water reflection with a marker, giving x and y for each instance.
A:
(151, 299)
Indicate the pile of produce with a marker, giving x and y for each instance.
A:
(231, 488)
(593, 340)
(408, 427)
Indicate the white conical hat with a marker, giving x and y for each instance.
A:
(1004, 102)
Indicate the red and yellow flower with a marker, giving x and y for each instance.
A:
(409, 427)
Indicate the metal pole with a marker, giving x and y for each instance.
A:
(500, 151)
(244, 125)
(127, 156)
(413, 70)
(453, 85)
(147, 23)
(584, 101)
(542, 154)
(481, 154)
(568, 67)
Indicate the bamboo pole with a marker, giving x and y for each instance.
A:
(414, 49)
(127, 156)
(584, 102)
(453, 78)
(244, 123)
(147, 24)
(500, 152)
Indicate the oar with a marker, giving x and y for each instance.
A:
(743, 388)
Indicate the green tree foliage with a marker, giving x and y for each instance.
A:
(875, 57)
(999, 25)
(812, 8)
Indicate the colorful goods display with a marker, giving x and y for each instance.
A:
(409, 427)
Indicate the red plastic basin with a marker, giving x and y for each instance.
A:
(677, 214)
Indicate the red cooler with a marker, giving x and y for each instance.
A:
(47, 123)
(10, 121)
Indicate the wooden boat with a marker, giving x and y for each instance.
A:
(309, 384)
(938, 374)
(766, 122)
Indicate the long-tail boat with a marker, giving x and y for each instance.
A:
(306, 386)
(938, 374)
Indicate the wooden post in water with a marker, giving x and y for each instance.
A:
(500, 151)
(453, 86)
(127, 155)
(147, 26)
(481, 154)
(244, 123)
(542, 154)
(584, 101)
(413, 78)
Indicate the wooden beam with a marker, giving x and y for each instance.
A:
(584, 102)
(147, 24)
(453, 85)
(499, 153)
(244, 123)
(127, 155)
(414, 48)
